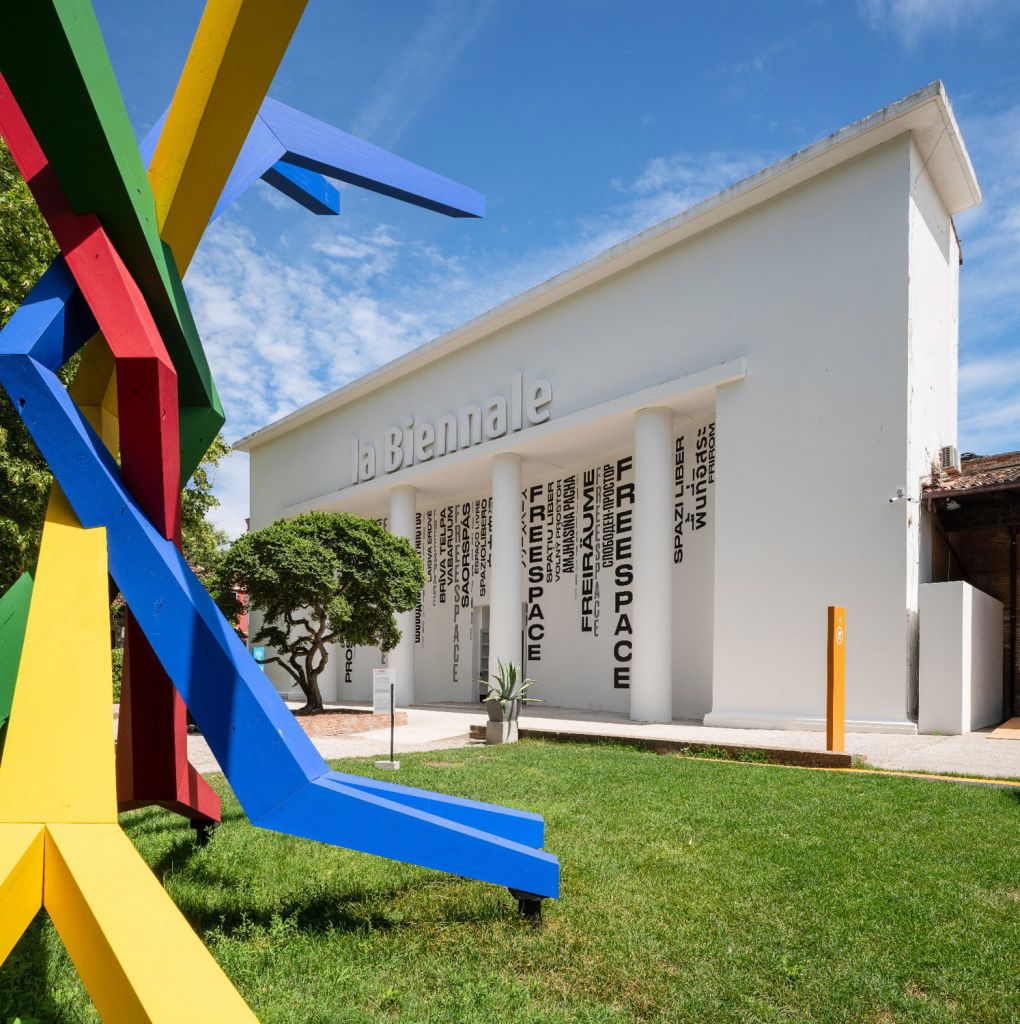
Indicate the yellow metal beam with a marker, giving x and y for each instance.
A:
(138, 957)
(234, 56)
(21, 881)
(58, 763)
(94, 390)
(60, 845)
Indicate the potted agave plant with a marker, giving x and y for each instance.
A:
(507, 692)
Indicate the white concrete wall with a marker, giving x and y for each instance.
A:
(986, 660)
(815, 288)
(810, 448)
(932, 367)
(960, 658)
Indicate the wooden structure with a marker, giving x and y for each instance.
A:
(975, 523)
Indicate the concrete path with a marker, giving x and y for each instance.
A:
(443, 726)
(974, 754)
(426, 729)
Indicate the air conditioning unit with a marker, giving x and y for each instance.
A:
(949, 459)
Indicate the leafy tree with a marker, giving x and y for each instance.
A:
(26, 246)
(320, 578)
(203, 543)
(26, 250)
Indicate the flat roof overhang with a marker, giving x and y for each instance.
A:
(551, 448)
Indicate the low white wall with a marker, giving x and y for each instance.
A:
(961, 659)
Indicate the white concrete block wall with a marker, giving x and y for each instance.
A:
(960, 659)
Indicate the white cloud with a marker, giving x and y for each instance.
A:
(666, 186)
(748, 76)
(690, 177)
(990, 287)
(230, 481)
(279, 331)
(990, 403)
(417, 72)
(911, 19)
(980, 374)
(984, 427)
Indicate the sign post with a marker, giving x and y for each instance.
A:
(835, 690)
(383, 688)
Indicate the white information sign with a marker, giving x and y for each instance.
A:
(382, 680)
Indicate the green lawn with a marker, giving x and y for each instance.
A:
(692, 891)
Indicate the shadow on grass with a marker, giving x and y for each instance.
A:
(152, 821)
(24, 986)
(335, 908)
(214, 894)
(183, 848)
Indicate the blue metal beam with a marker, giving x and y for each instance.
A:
(262, 157)
(320, 147)
(277, 774)
(296, 153)
(309, 189)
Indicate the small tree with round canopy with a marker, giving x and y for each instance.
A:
(321, 578)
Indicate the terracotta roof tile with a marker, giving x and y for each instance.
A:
(983, 472)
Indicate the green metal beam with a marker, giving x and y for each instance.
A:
(54, 59)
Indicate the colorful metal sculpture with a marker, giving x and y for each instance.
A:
(144, 390)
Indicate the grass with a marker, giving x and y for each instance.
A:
(692, 891)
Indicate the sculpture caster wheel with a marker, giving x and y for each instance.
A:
(529, 906)
(204, 831)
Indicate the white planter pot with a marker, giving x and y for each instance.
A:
(501, 732)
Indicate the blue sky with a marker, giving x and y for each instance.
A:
(582, 121)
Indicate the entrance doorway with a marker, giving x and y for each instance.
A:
(480, 660)
(976, 514)
(480, 624)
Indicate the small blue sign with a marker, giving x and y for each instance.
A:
(259, 654)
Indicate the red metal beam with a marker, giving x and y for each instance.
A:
(152, 762)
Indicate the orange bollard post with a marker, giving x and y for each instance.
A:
(835, 690)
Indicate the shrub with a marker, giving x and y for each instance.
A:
(118, 671)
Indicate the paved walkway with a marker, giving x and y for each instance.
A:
(974, 754)
(427, 728)
(442, 726)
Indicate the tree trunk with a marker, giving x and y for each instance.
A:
(315, 662)
(313, 696)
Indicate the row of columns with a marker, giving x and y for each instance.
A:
(651, 683)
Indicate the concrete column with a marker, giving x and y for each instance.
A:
(651, 684)
(506, 588)
(403, 504)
